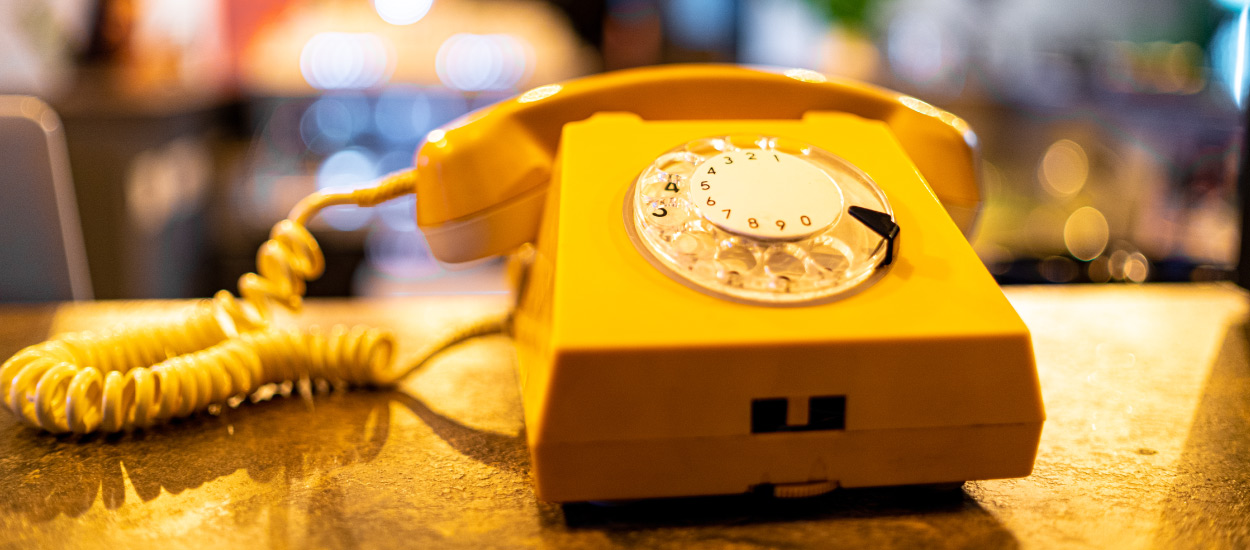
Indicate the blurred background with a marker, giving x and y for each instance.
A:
(1110, 129)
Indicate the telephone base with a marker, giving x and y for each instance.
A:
(637, 386)
(629, 470)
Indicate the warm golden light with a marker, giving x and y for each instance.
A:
(1128, 266)
(805, 75)
(920, 106)
(1064, 168)
(1086, 233)
(540, 93)
(1137, 268)
(435, 137)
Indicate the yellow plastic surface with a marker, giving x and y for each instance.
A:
(637, 386)
(471, 170)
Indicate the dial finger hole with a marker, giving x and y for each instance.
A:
(706, 147)
(746, 141)
(668, 214)
(701, 225)
(679, 164)
(784, 261)
(664, 188)
(790, 146)
(831, 255)
(736, 258)
(693, 243)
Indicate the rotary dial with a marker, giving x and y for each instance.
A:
(761, 219)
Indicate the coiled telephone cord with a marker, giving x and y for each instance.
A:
(223, 349)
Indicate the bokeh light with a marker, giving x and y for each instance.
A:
(1064, 168)
(480, 62)
(1228, 55)
(402, 114)
(761, 44)
(331, 122)
(1128, 265)
(402, 12)
(1086, 233)
(915, 48)
(700, 23)
(1137, 269)
(345, 61)
(1156, 67)
(399, 214)
(326, 125)
(1232, 5)
(347, 169)
(402, 255)
(925, 47)
(1181, 68)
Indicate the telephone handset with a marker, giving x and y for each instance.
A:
(717, 296)
(481, 177)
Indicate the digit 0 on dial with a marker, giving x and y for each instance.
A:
(758, 219)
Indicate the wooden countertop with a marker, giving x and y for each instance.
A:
(1147, 444)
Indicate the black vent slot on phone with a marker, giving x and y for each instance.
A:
(826, 412)
(768, 415)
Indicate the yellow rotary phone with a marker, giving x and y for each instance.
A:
(738, 278)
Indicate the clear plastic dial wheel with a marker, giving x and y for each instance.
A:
(761, 219)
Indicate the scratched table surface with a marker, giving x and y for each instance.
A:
(1147, 444)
